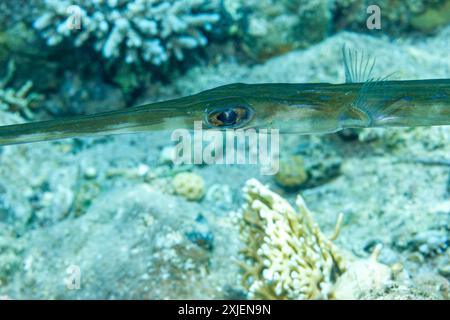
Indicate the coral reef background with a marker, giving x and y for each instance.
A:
(137, 226)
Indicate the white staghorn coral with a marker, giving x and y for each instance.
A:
(285, 256)
(149, 31)
(19, 100)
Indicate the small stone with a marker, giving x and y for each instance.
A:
(142, 170)
(416, 257)
(362, 276)
(90, 173)
(396, 269)
(445, 271)
(167, 155)
(292, 173)
(189, 185)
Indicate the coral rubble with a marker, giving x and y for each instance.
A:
(16, 100)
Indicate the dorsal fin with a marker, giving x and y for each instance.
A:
(358, 66)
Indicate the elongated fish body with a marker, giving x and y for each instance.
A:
(290, 108)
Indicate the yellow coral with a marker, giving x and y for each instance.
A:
(189, 185)
(285, 256)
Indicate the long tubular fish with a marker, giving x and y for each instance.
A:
(361, 102)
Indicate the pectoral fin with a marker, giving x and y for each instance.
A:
(359, 69)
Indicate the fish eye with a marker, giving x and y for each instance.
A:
(229, 117)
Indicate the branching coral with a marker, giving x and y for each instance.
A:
(286, 256)
(137, 31)
(17, 100)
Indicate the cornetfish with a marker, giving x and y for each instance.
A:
(361, 102)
